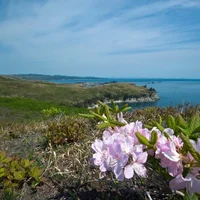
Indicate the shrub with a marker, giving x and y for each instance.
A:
(51, 112)
(15, 171)
(66, 130)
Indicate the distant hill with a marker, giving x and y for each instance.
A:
(43, 77)
(72, 94)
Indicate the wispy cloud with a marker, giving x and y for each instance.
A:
(79, 37)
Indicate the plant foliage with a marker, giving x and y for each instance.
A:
(15, 171)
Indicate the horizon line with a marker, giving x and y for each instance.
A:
(90, 76)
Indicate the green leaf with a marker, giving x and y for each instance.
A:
(116, 108)
(189, 147)
(113, 104)
(107, 113)
(185, 131)
(148, 126)
(7, 160)
(189, 196)
(117, 123)
(194, 123)
(196, 130)
(10, 177)
(143, 140)
(99, 116)
(2, 155)
(8, 184)
(160, 120)
(2, 172)
(14, 165)
(195, 136)
(160, 127)
(154, 137)
(19, 175)
(171, 123)
(26, 163)
(87, 115)
(97, 110)
(101, 103)
(124, 108)
(34, 183)
(166, 135)
(35, 172)
(103, 125)
(181, 122)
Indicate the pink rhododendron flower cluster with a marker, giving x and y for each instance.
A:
(191, 181)
(168, 151)
(121, 152)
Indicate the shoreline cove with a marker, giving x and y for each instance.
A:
(131, 100)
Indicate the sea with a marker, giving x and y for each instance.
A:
(172, 92)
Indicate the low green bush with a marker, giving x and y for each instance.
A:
(15, 171)
(66, 130)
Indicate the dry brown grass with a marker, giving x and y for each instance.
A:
(68, 172)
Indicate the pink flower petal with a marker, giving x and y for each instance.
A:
(128, 171)
(179, 182)
(139, 169)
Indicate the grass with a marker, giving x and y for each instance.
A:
(69, 94)
(23, 100)
(68, 172)
(20, 109)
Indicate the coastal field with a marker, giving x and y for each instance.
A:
(25, 99)
(45, 145)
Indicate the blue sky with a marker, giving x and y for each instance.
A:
(103, 38)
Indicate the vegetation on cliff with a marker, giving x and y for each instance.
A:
(23, 99)
(60, 146)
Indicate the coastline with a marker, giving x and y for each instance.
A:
(130, 100)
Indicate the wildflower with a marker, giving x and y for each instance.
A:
(137, 165)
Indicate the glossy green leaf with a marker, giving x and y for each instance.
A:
(171, 123)
(117, 123)
(196, 130)
(181, 122)
(116, 108)
(189, 147)
(194, 123)
(124, 108)
(87, 115)
(99, 116)
(107, 113)
(166, 135)
(160, 127)
(101, 103)
(160, 120)
(148, 126)
(154, 137)
(183, 130)
(143, 140)
(113, 105)
(103, 125)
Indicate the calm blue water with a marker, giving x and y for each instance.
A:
(172, 92)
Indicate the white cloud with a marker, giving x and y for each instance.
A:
(76, 34)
